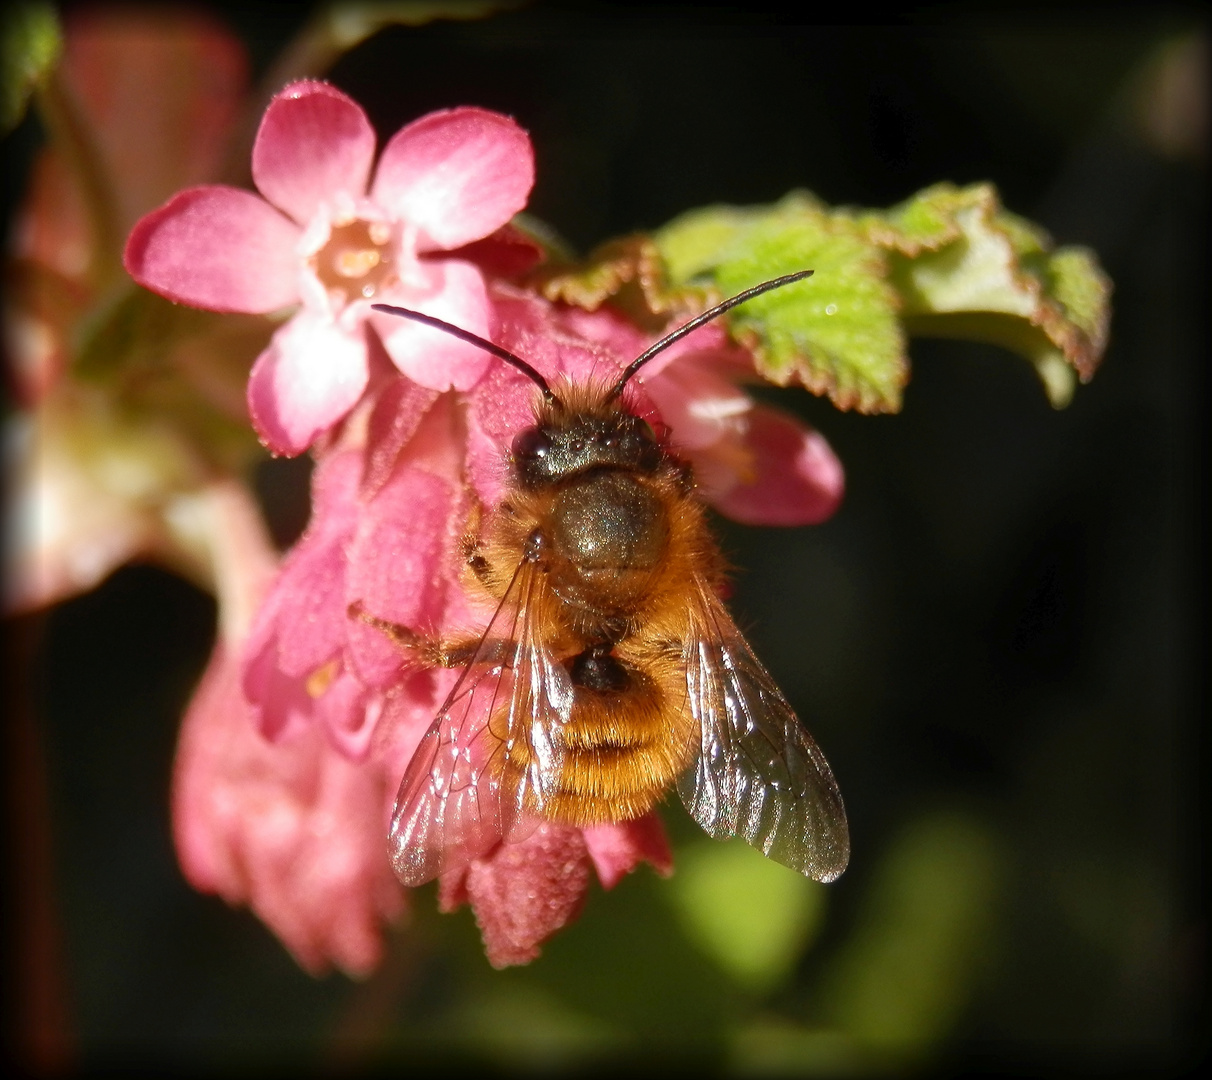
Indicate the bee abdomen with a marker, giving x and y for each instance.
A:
(624, 742)
(622, 746)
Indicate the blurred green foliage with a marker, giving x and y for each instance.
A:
(747, 913)
(30, 45)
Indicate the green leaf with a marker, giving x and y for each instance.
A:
(629, 272)
(924, 223)
(837, 333)
(949, 262)
(692, 244)
(965, 267)
(30, 44)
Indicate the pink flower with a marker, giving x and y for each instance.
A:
(396, 551)
(294, 829)
(523, 893)
(88, 491)
(753, 463)
(332, 239)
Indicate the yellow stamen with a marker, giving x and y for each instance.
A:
(356, 262)
(321, 679)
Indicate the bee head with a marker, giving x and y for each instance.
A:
(566, 443)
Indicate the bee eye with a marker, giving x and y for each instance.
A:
(532, 444)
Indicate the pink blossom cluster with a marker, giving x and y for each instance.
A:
(304, 723)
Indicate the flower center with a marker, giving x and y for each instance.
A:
(356, 262)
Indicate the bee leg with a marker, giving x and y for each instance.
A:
(403, 636)
(429, 650)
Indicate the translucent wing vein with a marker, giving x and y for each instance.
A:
(478, 775)
(758, 773)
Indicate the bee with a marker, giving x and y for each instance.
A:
(611, 670)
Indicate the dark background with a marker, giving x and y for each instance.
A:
(1001, 630)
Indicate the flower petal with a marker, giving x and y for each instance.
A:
(311, 375)
(795, 477)
(313, 142)
(453, 291)
(300, 626)
(402, 564)
(348, 714)
(502, 405)
(617, 849)
(523, 893)
(218, 248)
(457, 175)
(699, 403)
(400, 407)
(279, 705)
(506, 253)
(82, 497)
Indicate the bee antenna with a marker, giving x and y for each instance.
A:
(471, 339)
(695, 323)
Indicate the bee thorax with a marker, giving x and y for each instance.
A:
(608, 520)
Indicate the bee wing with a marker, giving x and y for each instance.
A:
(487, 764)
(757, 773)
